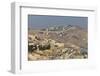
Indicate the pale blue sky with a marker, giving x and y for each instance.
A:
(42, 21)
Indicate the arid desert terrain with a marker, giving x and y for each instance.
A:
(57, 42)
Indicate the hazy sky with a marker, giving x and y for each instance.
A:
(42, 21)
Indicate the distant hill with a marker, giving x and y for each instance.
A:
(71, 34)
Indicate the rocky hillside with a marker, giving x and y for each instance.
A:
(63, 42)
(72, 35)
